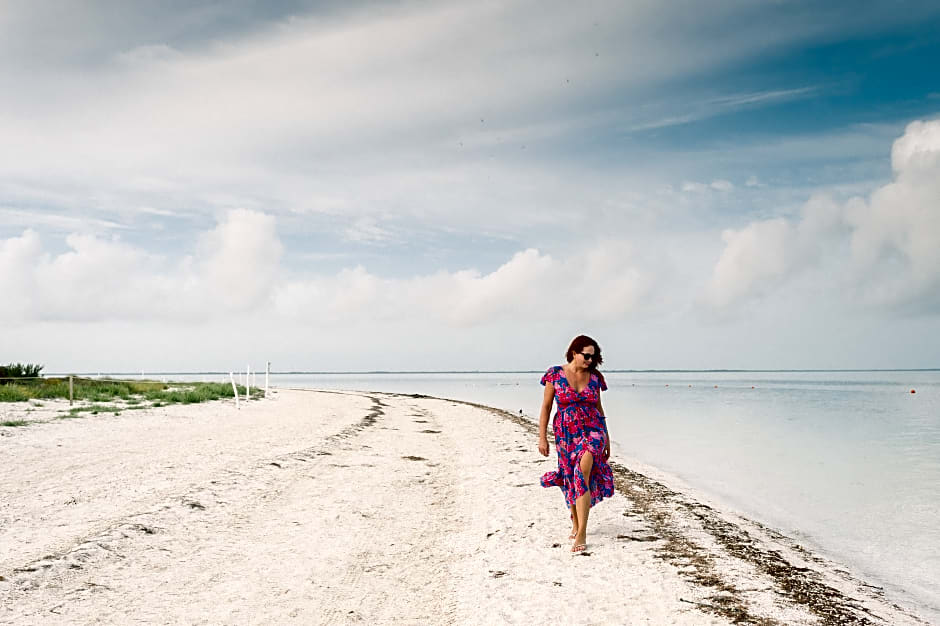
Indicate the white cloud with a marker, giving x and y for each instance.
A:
(236, 270)
(715, 185)
(19, 257)
(601, 284)
(882, 248)
(242, 255)
(58, 221)
(148, 55)
(314, 114)
(917, 152)
(683, 112)
(107, 279)
(366, 229)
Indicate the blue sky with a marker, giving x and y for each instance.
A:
(411, 185)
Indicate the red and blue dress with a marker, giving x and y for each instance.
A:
(579, 427)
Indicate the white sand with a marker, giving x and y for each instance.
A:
(337, 508)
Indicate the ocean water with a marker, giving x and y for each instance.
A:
(846, 462)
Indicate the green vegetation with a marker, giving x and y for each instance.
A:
(18, 370)
(14, 423)
(95, 409)
(135, 393)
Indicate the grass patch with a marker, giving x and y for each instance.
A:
(95, 409)
(14, 423)
(100, 392)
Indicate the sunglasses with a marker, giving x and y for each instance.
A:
(586, 356)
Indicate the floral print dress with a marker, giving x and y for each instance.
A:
(579, 427)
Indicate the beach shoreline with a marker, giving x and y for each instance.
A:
(327, 506)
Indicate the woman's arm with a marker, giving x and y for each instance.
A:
(547, 398)
(600, 409)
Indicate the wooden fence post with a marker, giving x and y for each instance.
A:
(71, 391)
(267, 378)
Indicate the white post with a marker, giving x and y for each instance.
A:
(247, 382)
(71, 392)
(267, 378)
(231, 375)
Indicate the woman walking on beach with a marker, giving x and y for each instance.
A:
(581, 438)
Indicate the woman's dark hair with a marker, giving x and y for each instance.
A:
(578, 344)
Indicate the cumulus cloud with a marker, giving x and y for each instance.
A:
(604, 283)
(19, 257)
(242, 255)
(883, 247)
(106, 279)
(235, 270)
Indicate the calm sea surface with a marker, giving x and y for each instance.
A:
(847, 462)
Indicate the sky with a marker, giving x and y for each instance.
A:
(357, 186)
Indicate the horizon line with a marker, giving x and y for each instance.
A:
(529, 371)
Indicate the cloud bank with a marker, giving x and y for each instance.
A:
(236, 271)
(882, 249)
(878, 251)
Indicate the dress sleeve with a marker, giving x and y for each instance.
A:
(601, 382)
(550, 376)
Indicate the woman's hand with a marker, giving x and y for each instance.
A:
(543, 446)
(607, 450)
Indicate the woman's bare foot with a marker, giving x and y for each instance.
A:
(580, 543)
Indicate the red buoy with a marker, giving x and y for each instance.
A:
(912, 391)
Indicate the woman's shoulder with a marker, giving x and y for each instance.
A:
(551, 375)
(599, 379)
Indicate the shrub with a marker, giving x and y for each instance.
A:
(18, 370)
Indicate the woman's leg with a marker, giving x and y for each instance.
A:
(574, 522)
(583, 504)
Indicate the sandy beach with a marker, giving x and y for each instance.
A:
(356, 507)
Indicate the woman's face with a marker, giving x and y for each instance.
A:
(585, 358)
